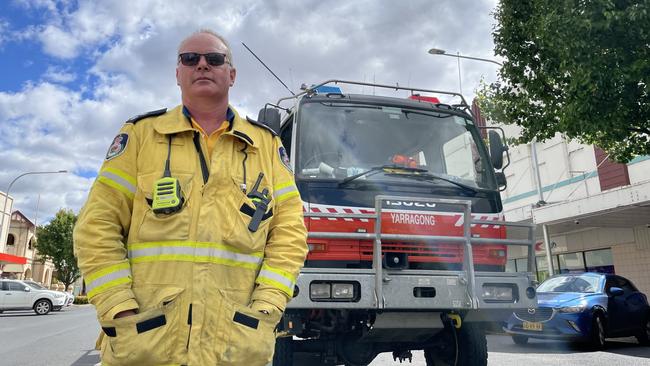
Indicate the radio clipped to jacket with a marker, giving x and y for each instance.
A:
(261, 201)
(167, 193)
(167, 196)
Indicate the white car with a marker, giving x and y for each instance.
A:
(69, 297)
(20, 295)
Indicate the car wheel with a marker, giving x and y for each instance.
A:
(598, 333)
(644, 334)
(42, 307)
(519, 339)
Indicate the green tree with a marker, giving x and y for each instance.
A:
(577, 67)
(54, 242)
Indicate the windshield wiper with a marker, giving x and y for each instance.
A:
(377, 169)
(428, 176)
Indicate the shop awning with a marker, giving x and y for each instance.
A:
(12, 259)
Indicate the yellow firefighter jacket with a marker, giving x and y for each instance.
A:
(198, 277)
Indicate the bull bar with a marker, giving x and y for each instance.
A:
(455, 289)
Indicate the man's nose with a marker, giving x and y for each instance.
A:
(203, 63)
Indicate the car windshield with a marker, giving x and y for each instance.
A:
(581, 283)
(340, 140)
(35, 285)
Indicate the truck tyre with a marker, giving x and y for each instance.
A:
(519, 339)
(472, 348)
(283, 355)
(42, 307)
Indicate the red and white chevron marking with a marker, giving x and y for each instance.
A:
(320, 208)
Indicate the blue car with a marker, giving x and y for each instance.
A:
(586, 308)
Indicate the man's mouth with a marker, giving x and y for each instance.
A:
(202, 78)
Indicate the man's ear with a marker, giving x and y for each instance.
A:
(177, 81)
(233, 76)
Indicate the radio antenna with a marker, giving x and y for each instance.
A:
(271, 71)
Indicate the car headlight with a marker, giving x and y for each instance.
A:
(573, 309)
(493, 292)
(59, 295)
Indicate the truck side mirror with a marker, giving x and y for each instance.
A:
(502, 183)
(497, 148)
(270, 117)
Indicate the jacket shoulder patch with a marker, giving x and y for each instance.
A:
(262, 125)
(117, 146)
(155, 113)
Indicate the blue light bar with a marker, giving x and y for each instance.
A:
(324, 89)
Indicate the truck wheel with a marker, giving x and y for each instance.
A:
(42, 307)
(472, 348)
(519, 339)
(283, 355)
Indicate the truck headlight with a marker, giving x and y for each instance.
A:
(572, 309)
(320, 290)
(342, 290)
(493, 292)
(334, 291)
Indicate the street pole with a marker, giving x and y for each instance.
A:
(460, 83)
(5, 230)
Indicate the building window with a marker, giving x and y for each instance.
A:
(11, 239)
(590, 261)
(599, 261)
(30, 245)
(571, 263)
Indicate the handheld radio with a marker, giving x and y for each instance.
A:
(167, 194)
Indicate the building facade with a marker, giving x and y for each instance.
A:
(596, 211)
(21, 243)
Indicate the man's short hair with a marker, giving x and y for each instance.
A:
(214, 34)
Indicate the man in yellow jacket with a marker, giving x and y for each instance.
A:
(192, 236)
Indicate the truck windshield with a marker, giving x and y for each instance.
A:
(340, 140)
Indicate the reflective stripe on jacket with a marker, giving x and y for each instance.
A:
(198, 276)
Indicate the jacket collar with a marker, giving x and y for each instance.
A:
(176, 121)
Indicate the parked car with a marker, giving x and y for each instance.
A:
(19, 295)
(69, 297)
(584, 307)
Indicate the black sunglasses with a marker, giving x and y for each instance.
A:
(193, 58)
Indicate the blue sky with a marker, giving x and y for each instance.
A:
(74, 71)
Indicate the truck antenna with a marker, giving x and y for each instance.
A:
(271, 71)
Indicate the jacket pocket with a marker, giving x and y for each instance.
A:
(158, 227)
(250, 335)
(146, 338)
(238, 233)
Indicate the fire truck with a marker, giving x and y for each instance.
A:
(407, 242)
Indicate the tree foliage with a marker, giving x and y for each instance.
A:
(54, 242)
(576, 67)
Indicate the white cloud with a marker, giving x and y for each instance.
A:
(58, 75)
(54, 124)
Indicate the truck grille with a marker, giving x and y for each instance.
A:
(416, 249)
(541, 314)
